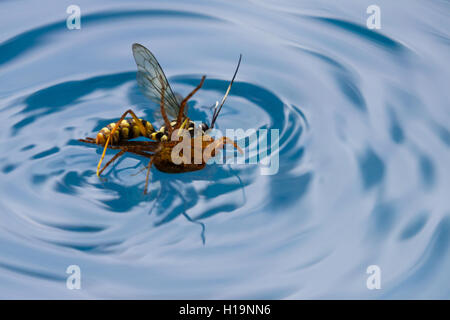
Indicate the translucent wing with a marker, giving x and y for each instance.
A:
(151, 79)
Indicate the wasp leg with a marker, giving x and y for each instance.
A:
(133, 150)
(185, 100)
(140, 146)
(140, 170)
(217, 144)
(87, 140)
(117, 155)
(140, 153)
(136, 120)
(147, 176)
(147, 155)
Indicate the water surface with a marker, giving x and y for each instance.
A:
(363, 152)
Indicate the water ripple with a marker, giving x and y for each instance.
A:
(363, 155)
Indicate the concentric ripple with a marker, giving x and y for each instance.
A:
(363, 153)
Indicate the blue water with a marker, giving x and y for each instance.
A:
(364, 151)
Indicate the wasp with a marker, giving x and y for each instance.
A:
(159, 149)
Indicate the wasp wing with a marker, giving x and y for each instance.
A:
(151, 79)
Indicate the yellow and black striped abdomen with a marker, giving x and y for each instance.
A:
(163, 135)
(128, 129)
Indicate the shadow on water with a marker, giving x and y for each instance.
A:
(170, 195)
(178, 195)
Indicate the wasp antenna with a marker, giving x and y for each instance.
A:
(218, 108)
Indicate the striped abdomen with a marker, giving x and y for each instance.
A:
(127, 130)
(163, 134)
